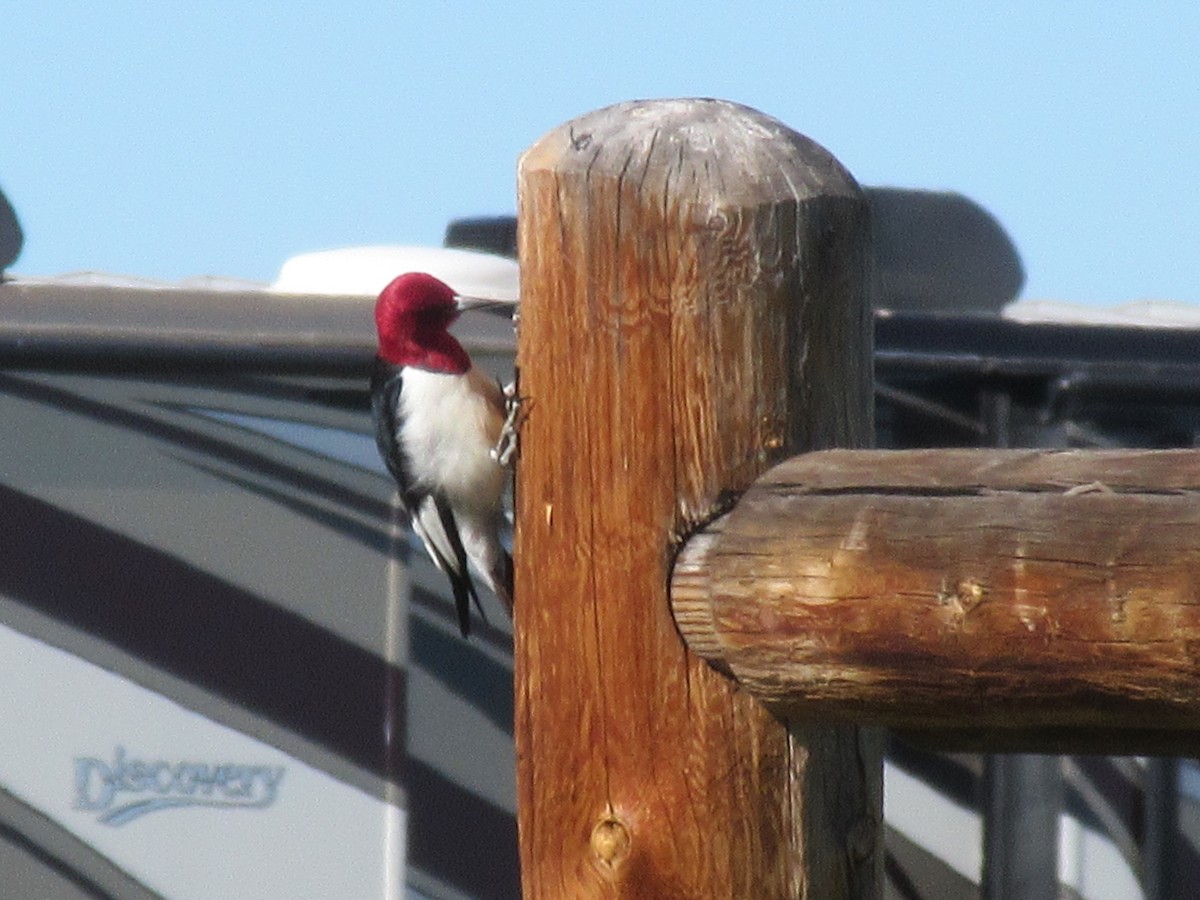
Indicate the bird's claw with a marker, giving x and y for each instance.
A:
(508, 444)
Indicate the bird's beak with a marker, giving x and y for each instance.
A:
(492, 303)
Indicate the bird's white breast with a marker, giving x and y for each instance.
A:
(448, 430)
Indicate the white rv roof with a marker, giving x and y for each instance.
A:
(1139, 313)
(367, 270)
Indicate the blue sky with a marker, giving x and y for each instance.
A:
(171, 139)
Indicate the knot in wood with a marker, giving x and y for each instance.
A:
(970, 593)
(964, 598)
(610, 841)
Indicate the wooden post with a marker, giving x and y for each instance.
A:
(1005, 590)
(694, 308)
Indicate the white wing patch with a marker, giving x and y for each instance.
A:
(429, 528)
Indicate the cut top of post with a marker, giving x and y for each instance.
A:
(712, 151)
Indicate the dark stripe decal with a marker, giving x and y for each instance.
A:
(193, 440)
(202, 629)
(459, 838)
(485, 684)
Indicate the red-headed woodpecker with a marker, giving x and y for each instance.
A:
(438, 421)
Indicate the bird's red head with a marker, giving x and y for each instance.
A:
(411, 318)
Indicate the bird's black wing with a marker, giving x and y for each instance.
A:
(430, 515)
(460, 578)
(386, 384)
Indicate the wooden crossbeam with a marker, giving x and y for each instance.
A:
(1003, 598)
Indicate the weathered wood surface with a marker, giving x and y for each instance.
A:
(694, 308)
(981, 591)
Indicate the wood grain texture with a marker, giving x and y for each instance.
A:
(694, 308)
(977, 591)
